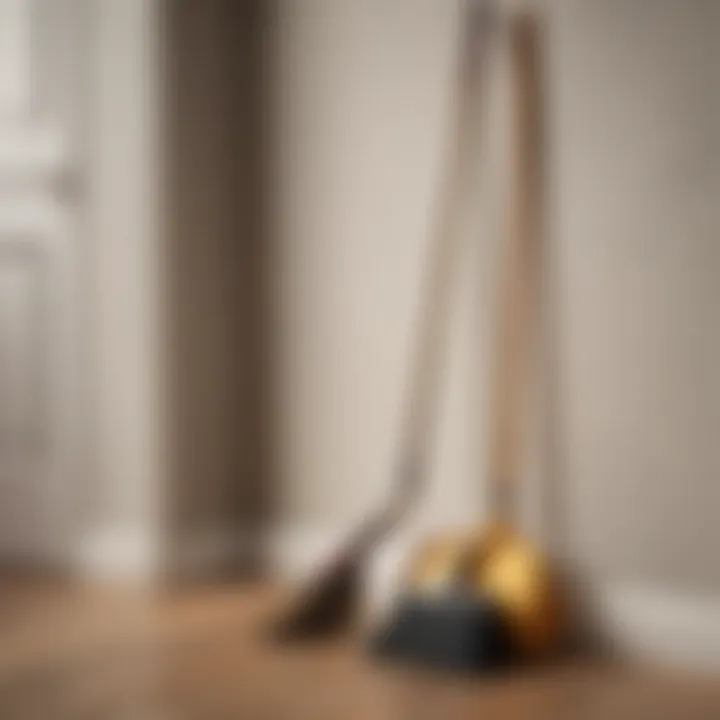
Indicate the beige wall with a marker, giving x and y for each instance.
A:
(124, 303)
(362, 105)
(637, 171)
(361, 98)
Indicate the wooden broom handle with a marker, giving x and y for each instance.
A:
(509, 390)
(445, 241)
(445, 245)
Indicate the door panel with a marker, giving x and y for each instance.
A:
(37, 251)
(23, 306)
(14, 57)
(34, 373)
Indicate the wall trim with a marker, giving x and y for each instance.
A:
(659, 625)
(127, 555)
(119, 553)
(213, 549)
(295, 552)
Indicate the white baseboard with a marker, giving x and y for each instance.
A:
(119, 553)
(660, 626)
(650, 624)
(212, 549)
(294, 553)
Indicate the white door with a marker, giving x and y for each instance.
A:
(39, 83)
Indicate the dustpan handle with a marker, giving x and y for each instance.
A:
(510, 387)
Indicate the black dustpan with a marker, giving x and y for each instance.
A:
(452, 631)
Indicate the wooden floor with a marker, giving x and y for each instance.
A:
(80, 653)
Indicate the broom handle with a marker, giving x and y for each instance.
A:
(511, 372)
(440, 271)
(442, 265)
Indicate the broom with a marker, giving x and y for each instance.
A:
(328, 603)
(520, 609)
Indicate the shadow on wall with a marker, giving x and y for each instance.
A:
(220, 488)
